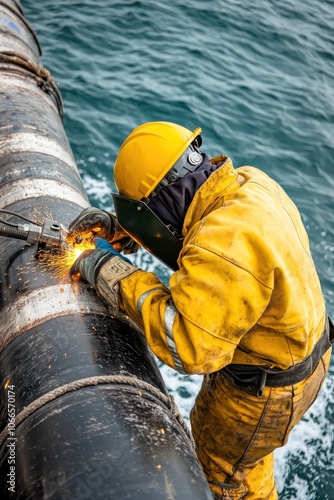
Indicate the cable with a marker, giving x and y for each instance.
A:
(8, 223)
(20, 216)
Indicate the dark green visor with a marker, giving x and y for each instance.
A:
(147, 229)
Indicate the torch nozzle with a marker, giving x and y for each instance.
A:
(50, 233)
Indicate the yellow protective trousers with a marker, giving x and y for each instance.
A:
(236, 433)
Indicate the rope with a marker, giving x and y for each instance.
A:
(40, 74)
(93, 381)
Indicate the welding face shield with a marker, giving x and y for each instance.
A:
(138, 220)
(144, 225)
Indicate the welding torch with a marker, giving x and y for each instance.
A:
(49, 232)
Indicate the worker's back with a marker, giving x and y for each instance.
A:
(250, 241)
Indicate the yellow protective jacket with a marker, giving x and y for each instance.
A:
(246, 291)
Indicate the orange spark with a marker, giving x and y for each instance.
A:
(61, 261)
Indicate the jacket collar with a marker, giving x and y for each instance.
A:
(211, 194)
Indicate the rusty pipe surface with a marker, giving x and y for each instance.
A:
(84, 411)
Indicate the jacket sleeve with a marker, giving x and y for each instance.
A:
(195, 326)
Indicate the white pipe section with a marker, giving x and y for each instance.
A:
(38, 306)
(35, 188)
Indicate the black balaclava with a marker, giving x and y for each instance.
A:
(172, 202)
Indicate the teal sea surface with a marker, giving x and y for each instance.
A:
(258, 78)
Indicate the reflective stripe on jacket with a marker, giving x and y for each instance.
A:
(246, 290)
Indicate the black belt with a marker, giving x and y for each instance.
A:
(253, 379)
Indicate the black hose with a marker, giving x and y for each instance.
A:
(13, 233)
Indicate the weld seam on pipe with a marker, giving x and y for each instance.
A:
(38, 306)
(24, 189)
(31, 142)
(94, 381)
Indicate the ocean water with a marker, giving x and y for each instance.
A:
(258, 78)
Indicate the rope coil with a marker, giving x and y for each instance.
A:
(93, 381)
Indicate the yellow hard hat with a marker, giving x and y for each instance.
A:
(147, 154)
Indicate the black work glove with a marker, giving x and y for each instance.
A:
(93, 222)
(90, 223)
(86, 265)
(103, 267)
(89, 262)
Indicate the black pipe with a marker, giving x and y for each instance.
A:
(93, 418)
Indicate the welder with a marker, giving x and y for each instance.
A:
(244, 306)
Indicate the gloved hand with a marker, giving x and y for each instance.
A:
(102, 244)
(89, 262)
(90, 222)
(93, 222)
(124, 243)
(103, 267)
